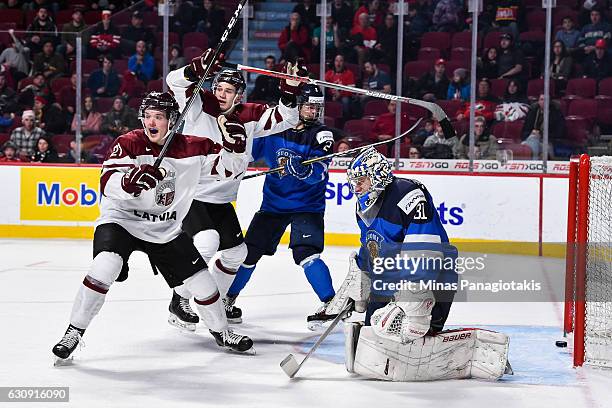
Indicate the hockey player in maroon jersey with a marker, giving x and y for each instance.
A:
(142, 209)
(212, 220)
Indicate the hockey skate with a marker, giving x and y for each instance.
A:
(233, 313)
(233, 341)
(63, 350)
(181, 314)
(317, 320)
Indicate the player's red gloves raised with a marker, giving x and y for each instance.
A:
(234, 133)
(289, 86)
(199, 64)
(144, 177)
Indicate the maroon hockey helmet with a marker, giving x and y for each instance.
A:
(162, 101)
(232, 77)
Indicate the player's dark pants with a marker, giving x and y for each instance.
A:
(219, 217)
(176, 260)
(439, 313)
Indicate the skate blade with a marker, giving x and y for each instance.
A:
(318, 325)
(62, 362)
(174, 321)
(249, 352)
(290, 366)
(236, 320)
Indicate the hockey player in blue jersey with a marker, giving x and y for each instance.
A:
(295, 197)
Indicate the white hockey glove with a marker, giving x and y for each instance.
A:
(234, 133)
(356, 286)
(405, 320)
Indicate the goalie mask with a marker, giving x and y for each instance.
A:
(234, 78)
(311, 97)
(161, 101)
(373, 165)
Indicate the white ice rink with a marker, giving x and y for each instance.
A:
(133, 358)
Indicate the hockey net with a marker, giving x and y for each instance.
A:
(588, 300)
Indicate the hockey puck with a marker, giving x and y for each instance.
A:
(561, 343)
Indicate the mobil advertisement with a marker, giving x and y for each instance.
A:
(59, 194)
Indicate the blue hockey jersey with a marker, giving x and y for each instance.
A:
(403, 222)
(283, 193)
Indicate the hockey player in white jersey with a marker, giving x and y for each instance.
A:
(142, 209)
(402, 339)
(212, 220)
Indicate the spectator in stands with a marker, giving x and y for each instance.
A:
(119, 120)
(375, 79)
(414, 152)
(38, 87)
(294, 41)
(434, 84)
(67, 96)
(185, 18)
(266, 87)
(590, 33)
(136, 32)
(386, 47)
(105, 38)
(25, 137)
(342, 145)
(342, 14)
(11, 5)
(485, 103)
(85, 156)
(514, 93)
(68, 45)
(446, 16)
(384, 125)
(8, 97)
(507, 16)
(437, 146)
(17, 57)
(598, 64)
(177, 60)
(568, 35)
(560, 65)
(485, 142)
(307, 10)
(363, 37)
(423, 133)
(373, 12)
(9, 153)
(104, 82)
(332, 40)
(131, 86)
(211, 21)
(49, 116)
(532, 132)
(340, 75)
(459, 88)
(44, 151)
(142, 63)
(91, 120)
(51, 64)
(487, 64)
(41, 29)
(510, 61)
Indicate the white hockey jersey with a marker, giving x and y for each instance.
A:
(156, 215)
(258, 119)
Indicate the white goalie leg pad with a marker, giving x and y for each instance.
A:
(406, 320)
(226, 265)
(207, 243)
(453, 354)
(105, 268)
(356, 286)
(351, 337)
(207, 300)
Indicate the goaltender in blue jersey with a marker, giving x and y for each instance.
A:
(296, 197)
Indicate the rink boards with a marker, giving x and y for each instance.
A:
(493, 207)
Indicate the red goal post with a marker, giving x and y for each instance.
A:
(588, 284)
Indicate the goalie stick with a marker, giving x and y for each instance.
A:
(199, 85)
(289, 363)
(337, 154)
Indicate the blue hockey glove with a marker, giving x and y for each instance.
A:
(295, 167)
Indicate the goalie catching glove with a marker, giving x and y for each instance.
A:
(356, 286)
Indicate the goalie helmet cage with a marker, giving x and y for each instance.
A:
(588, 283)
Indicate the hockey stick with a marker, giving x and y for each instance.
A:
(337, 154)
(289, 363)
(435, 109)
(199, 85)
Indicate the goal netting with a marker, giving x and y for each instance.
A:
(588, 303)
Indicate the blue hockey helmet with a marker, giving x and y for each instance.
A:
(312, 96)
(373, 165)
